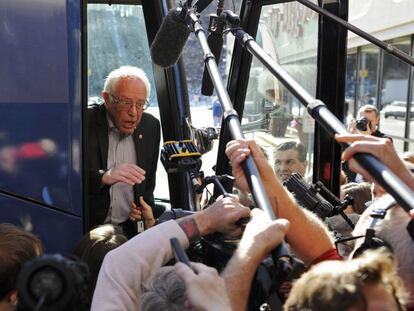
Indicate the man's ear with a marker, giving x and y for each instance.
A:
(12, 297)
(106, 98)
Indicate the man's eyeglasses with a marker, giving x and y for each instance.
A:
(126, 104)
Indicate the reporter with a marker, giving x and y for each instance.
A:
(127, 268)
(366, 283)
(308, 236)
(206, 290)
(394, 228)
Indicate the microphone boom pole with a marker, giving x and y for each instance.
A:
(318, 110)
(280, 255)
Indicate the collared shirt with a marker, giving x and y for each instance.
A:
(121, 149)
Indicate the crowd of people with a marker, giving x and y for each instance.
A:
(130, 257)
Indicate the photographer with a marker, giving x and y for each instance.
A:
(367, 121)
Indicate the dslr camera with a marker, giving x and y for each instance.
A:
(362, 124)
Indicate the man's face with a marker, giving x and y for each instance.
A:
(287, 162)
(130, 90)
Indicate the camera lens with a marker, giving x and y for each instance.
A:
(362, 123)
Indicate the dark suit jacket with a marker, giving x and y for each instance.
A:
(147, 142)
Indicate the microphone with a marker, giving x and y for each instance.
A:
(215, 42)
(170, 39)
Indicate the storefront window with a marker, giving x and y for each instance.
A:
(367, 76)
(394, 93)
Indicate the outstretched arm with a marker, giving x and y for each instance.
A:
(382, 148)
(127, 268)
(308, 236)
(260, 237)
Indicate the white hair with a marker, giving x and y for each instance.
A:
(128, 72)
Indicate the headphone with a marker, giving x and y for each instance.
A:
(371, 241)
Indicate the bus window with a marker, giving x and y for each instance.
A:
(206, 110)
(367, 84)
(117, 36)
(395, 88)
(272, 115)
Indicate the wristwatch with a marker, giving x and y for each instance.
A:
(101, 173)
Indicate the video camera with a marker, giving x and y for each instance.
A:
(53, 282)
(317, 198)
(308, 196)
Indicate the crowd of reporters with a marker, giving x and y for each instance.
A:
(137, 274)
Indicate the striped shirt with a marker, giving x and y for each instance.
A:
(121, 149)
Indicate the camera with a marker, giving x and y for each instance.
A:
(308, 196)
(53, 282)
(362, 124)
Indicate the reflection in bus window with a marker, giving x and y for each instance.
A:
(272, 115)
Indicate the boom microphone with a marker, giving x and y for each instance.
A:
(170, 38)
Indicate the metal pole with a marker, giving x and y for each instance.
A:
(317, 109)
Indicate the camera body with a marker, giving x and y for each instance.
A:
(362, 124)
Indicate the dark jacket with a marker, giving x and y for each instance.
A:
(147, 141)
(380, 134)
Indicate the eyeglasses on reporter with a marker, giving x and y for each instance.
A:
(126, 104)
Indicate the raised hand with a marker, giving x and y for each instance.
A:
(205, 289)
(143, 211)
(125, 172)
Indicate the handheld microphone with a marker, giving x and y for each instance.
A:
(215, 42)
(170, 39)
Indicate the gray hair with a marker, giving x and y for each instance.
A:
(126, 72)
(164, 291)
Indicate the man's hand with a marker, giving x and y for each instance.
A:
(221, 216)
(352, 128)
(237, 151)
(261, 236)
(143, 211)
(125, 172)
(381, 148)
(308, 237)
(205, 290)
